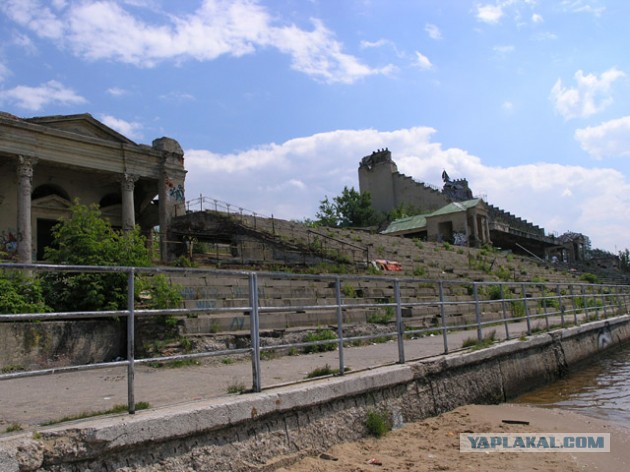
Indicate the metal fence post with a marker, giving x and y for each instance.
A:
(529, 322)
(399, 324)
(619, 298)
(443, 316)
(561, 304)
(585, 302)
(573, 304)
(131, 402)
(254, 332)
(544, 297)
(339, 324)
(477, 312)
(505, 322)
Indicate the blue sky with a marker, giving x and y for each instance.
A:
(275, 102)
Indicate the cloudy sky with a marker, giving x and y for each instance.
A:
(275, 102)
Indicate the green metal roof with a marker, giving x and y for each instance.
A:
(419, 222)
(406, 224)
(456, 207)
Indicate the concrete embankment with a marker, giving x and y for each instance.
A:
(266, 430)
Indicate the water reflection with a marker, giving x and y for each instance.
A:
(600, 389)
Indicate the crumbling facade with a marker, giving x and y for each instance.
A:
(448, 214)
(46, 163)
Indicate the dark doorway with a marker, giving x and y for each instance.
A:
(44, 236)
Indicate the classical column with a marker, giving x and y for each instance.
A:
(24, 223)
(128, 183)
(164, 213)
(486, 228)
(476, 240)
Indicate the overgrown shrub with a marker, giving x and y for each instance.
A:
(85, 238)
(378, 423)
(321, 334)
(20, 294)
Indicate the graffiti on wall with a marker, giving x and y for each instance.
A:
(9, 243)
(460, 239)
(176, 192)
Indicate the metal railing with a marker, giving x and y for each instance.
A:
(407, 308)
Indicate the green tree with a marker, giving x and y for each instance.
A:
(350, 208)
(85, 238)
(327, 214)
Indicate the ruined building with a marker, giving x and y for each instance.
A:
(48, 162)
(448, 214)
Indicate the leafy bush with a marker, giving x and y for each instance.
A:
(590, 278)
(20, 294)
(85, 238)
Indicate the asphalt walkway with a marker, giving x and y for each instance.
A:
(32, 401)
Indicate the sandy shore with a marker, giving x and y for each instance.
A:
(433, 444)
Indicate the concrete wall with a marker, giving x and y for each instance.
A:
(44, 344)
(267, 430)
(416, 194)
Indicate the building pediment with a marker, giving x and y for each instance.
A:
(52, 202)
(83, 124)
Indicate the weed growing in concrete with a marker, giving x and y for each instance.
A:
(475, 344)
(236, 387)
(382, 317)
(321, 372)
(378, 423)
(89, 414)
(14, 427)
(175, 364)
(11, 368)
(321, 334)
(419, 271)
(348, 291)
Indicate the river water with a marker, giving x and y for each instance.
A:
(600, 389)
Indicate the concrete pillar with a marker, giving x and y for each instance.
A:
(24, 223)
(476, 239)
(128, 183)
(486, 229)
(165, 214)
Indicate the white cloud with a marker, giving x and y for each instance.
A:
(583, 6)
(97, 30)
(537, 18)
(129, 129)
(4, 73)
(591, 95)
(291, 178)
(117, 92)
(25, 43)
(375, 44)
(489, 13)
(503, 51)
(508, 107)
(34, 15)
(177, 97)
(35, 98)
(609, 139)
(423, 61)
(433, 31)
